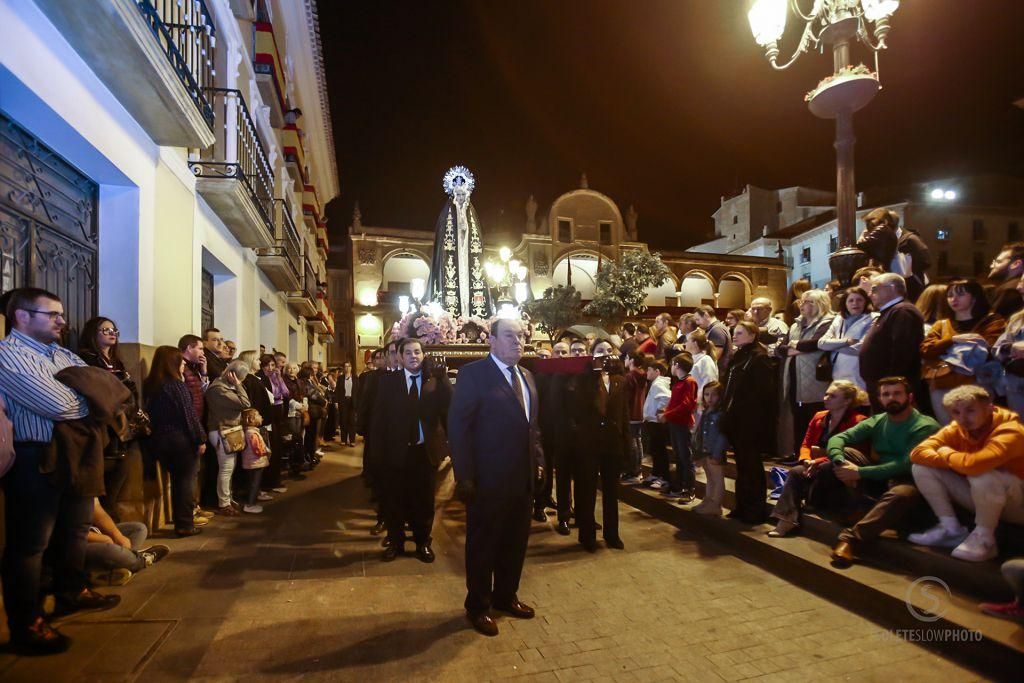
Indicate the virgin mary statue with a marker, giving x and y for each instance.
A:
(456, 271)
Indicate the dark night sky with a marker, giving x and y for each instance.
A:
(666, 104)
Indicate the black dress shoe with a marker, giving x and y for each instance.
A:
(425, 553)
(482, 623)
(517, 609)
(589, 546)
(539, 516)
(551, 504)
(88, 599)
(377, 529)
(563, 528)
(390, 553)
(183, 533)
(615, 543)
(39, 639)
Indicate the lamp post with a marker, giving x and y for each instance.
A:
(837, 23)
(508, 277)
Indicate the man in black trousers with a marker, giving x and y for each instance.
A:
(407, 425)
(494, 432)
(368, 382)
(345, 393)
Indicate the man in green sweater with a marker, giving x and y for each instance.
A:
(886, 471)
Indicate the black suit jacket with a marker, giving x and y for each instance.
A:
(395, 414)
(892, 345)
(493, 444)
(601, 415)
(339, 390)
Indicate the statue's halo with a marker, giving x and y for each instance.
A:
(458, 175)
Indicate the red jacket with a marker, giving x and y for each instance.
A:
(648, 346)
(817, 427)
(683, 404)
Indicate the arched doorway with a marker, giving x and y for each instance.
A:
(584, 273)
(400, 269)
(697, 288)
(734, 291)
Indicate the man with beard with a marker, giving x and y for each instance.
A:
(410, 411)
(1007, 267)
(891, 436)
(367, 395)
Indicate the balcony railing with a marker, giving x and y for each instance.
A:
(186, 34)
(269, 71)
(238, 152)
(310, 284)
(282, 262)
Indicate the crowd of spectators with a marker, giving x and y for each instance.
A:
(218, 428)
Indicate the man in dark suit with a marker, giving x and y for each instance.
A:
(601, 414)
(556, 434)
(409, 414)
(896, 250)
(892, 346)
(345, 392)
(493, 429)
(367, 395)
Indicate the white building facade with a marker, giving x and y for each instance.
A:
(964, 221)
(150, 171)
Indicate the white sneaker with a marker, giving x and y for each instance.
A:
(977, 547)
(939, 536)
(320, 452)
(659, 484)
(280, 489)
(253, 509)
(264, 496)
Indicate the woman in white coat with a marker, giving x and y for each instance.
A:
(844, 336)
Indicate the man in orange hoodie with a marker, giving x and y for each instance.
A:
(977, 462)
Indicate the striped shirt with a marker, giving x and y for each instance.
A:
(35, 398)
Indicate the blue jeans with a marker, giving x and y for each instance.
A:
(685, 476)
(39, 513)
(106, 556)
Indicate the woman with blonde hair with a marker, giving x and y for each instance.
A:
(842, 398)
(801, 388)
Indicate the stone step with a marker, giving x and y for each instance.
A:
(883, 588)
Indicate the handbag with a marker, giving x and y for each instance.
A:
(823, 368)
(139, 425)
(232, 439)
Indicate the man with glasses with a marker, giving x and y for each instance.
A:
(892, 346)
(39, 507)
(772, 329)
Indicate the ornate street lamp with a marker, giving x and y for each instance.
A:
(508, 277)
(848, 89)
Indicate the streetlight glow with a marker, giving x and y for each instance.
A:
(767, 21)
(879, 9)
(949, 195)
(403, 304)
(937, 193)
(418, 287)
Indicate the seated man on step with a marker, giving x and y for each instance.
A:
(885, 473)
(977, 462)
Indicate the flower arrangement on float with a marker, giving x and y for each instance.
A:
(436, 326)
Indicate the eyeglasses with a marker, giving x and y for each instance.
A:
(52, 315)
(109, 330)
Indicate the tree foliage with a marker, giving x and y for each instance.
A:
(622, 285)
(560, 307)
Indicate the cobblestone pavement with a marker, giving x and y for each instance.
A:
(300, 592)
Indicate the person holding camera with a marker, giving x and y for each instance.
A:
(599, 402)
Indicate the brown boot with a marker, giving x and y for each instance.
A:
(843, 555)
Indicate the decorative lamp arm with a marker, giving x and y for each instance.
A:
(807, 38)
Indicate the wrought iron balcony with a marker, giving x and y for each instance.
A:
(304, 300)
(283, 262)
(234, 174)
(155, 56)
(294, 154)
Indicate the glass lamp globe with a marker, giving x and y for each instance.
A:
(767, 21)
(879, 9)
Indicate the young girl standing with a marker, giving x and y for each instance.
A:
(709, 446)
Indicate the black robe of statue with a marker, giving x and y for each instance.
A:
(444, 268)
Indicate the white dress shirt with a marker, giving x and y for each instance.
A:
(419, 391)
(508, 378)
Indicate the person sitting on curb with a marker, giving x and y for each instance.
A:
(892, 435)
(114, 552)
(977, 462)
